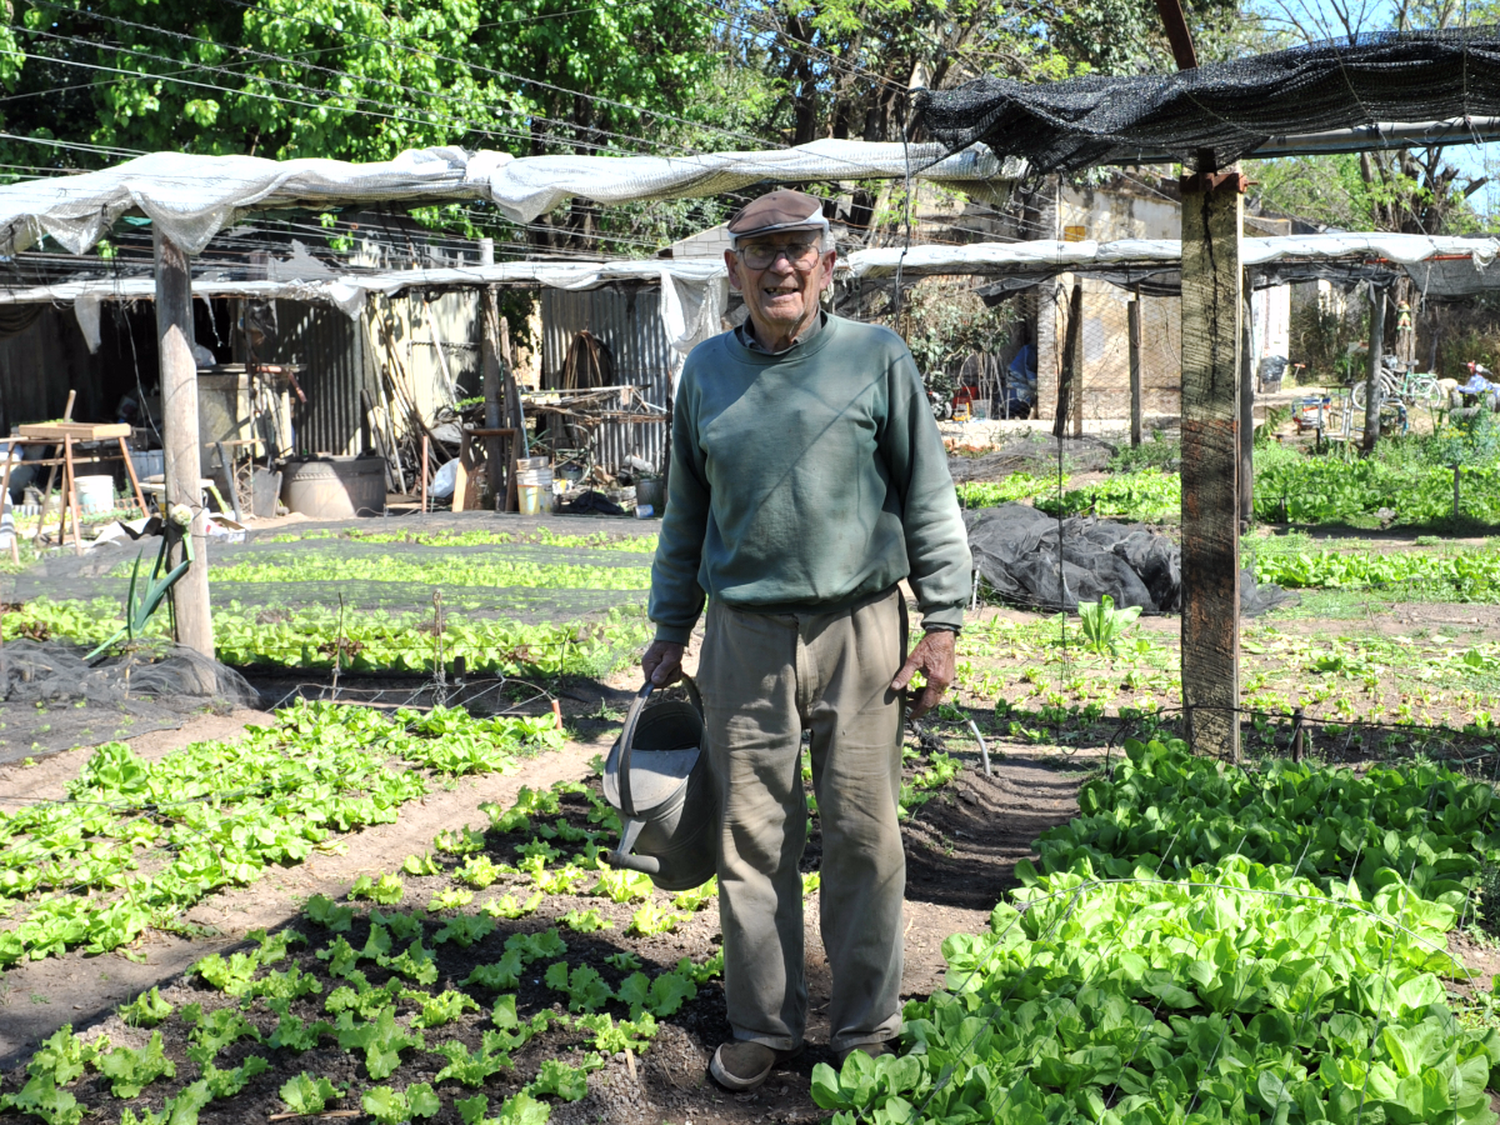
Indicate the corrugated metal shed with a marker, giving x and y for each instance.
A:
(329, 347)
(340, 357)
(628, 321)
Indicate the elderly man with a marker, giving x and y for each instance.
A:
(808, 478)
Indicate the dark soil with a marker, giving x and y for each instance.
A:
(962, 845)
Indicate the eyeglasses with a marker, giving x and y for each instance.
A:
(801, 256)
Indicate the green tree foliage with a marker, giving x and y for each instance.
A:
(349, 79)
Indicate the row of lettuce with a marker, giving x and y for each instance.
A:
(223, 814)
(1205, 944)
(1307, 491)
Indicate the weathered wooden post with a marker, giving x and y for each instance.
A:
(1246, 492)
(1373, 391)
(1133, 324)
(493, 386)
(1072, 361)
(179, 404)
(1211, 310)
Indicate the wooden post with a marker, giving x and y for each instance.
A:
(179, 401)
(1372, 383)
(1211, 310)
(494, 398)
(1133, 324)
(1246, 490)
(1070, 361)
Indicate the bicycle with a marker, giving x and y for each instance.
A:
(1408, 386)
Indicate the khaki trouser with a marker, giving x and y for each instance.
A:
(765, 678)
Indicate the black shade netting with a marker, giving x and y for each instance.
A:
(1230, 108)
(1016, 551)
(1037, 455)
(52, 699)
(529, 583)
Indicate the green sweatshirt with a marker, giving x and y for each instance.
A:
(807, 481)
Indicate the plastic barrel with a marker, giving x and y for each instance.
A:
(95, 494)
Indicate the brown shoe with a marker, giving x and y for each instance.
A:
(874, 1050)
(743, 1064)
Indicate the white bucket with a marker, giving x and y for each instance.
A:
(95, 494)
(534, 499)
(534, 485)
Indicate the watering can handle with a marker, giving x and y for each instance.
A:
(627, 736)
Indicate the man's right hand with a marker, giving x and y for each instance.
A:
(663, 662)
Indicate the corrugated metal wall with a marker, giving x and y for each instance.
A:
(628, 321)
(329, 347)
(339, 357)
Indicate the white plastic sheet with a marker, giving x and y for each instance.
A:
(526, 188)
(191, 198)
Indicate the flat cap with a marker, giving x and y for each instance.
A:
(777, 211)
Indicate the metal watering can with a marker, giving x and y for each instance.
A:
(656, 777)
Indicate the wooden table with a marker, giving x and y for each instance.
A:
(466, 484)
(65, 434)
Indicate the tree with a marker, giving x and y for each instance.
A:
(348, 79)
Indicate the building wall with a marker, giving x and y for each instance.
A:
(1105, 214)
(40, 364)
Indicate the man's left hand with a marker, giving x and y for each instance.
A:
(933, 657)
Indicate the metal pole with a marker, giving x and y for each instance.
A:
(179, 401)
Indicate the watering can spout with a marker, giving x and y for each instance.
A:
(621, 859)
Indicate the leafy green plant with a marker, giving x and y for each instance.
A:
(586, 990)
(131, 1071)
(652, 919)
(623, 886)
(1103, 626)
(570, 1083)
(479, 872)
(217, 1030)
(450, 898)
(385, 891)
(662, 997)
(146, 1010)
(888, 1081)
(506, 906)
(422, 864)
(443, 1008)
(41, 1098)
(392, 1107)
(463, 841)
(181, 1109)
(306, 1095)
(381, 1040)
(585, 921)
(228, 1083)
(611, 1038)
(465, 930)
(519, 1109)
